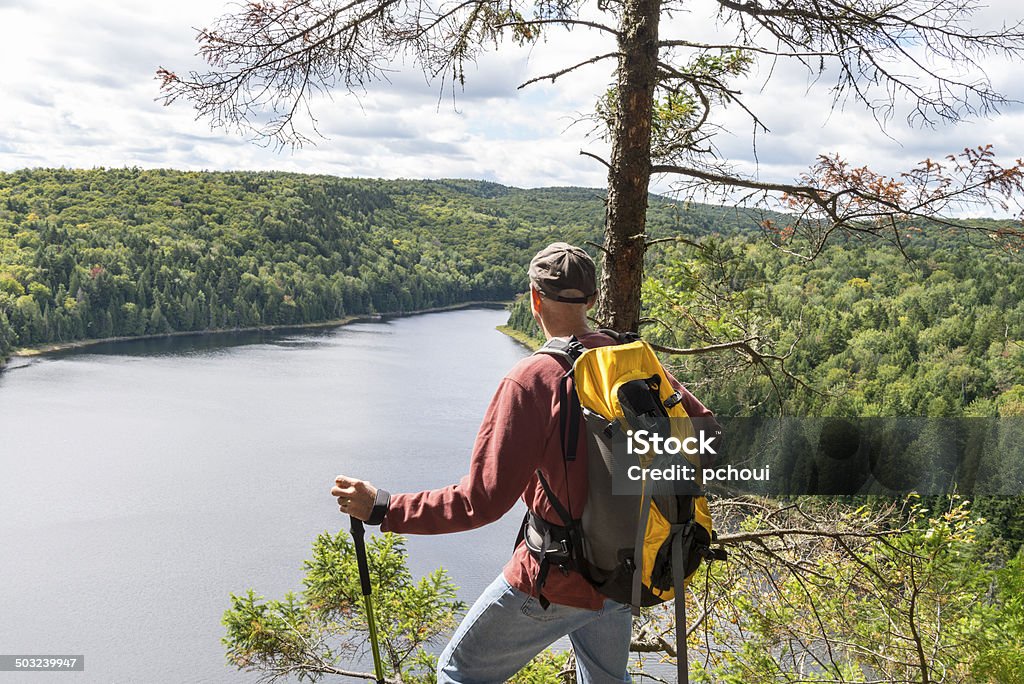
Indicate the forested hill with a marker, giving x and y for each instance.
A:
(100, 253)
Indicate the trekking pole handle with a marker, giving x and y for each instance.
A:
(359, 539)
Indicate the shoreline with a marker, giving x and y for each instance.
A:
(518, 337)
(53, 347)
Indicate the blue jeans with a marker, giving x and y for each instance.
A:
(506, 628)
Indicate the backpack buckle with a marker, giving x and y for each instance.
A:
(676, 397)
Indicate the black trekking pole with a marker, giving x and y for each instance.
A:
(358, 532)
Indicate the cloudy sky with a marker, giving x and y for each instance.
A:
(77, 89)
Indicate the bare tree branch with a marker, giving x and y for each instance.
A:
(562, 72)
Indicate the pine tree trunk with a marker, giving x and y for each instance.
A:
(630, 167)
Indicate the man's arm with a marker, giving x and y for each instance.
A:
(506, 454)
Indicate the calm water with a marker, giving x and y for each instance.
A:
(141, 483)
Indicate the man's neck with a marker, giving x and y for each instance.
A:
(567, 331)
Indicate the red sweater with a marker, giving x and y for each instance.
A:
(519, 434)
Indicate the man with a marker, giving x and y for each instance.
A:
(507, 626)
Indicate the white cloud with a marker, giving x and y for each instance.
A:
(78, 90)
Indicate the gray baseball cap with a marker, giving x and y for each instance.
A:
(564, 273)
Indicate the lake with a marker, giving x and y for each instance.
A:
(143, 482)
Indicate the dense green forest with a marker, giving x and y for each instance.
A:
(940, 335)
(101, 253)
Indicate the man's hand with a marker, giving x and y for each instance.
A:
(355, 497)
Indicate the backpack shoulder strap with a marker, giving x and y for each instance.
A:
(568, 349)
(620, 337)
(570, 414)
(569, 418)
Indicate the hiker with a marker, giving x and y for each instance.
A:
(512, 621)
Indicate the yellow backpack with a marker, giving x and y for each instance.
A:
(632, 536)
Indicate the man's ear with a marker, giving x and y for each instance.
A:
(535, 299)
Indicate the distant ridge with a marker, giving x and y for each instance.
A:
(99, 253)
